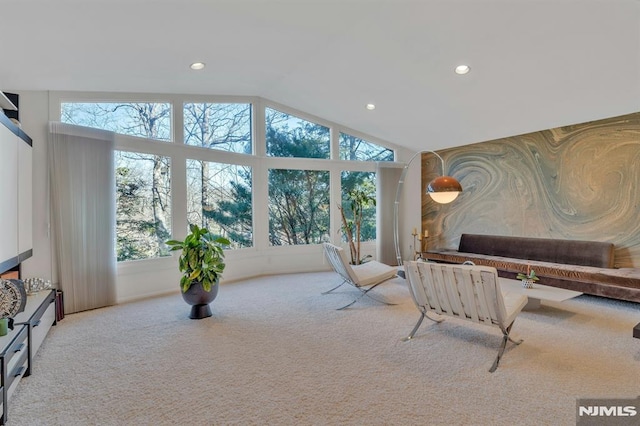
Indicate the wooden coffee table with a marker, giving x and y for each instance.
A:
(538, 292)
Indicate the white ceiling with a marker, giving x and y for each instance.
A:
(535, 64)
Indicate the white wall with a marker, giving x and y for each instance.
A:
(410, 205)
(34, 116)
(146, 278)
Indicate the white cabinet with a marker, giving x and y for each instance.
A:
(14, 358)
(25, 199)
(41, 321)
(16, 194)
(8, 195)
(18, 348)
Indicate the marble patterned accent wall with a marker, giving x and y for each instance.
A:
(578, 182)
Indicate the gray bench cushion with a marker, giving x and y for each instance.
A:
(572, 252)
(592, 274)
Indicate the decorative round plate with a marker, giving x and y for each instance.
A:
(13, 297)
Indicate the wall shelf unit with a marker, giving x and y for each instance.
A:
(5, 103)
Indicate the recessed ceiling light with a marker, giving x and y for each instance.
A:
(462, 69)
(197, 65)
(370, 107)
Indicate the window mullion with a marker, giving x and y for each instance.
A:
(258, 126)
(178, 121)
(179, 195)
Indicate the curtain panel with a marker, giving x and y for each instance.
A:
(81, 169)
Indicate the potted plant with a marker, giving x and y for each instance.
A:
(529, 278)
(202, 264)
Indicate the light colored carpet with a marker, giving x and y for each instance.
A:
(277, 352)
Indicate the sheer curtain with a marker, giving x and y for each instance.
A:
(81, 168)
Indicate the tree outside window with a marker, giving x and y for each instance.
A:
(298, 199)
(146, 120)
(298, 206)
(143, 205)
(364, 183)
(290, 136)
(356, 149)
(224, 126)
(219, 199)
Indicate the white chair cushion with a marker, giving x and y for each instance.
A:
(373, 272)
(513, 304)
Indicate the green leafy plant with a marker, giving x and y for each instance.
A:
(202, 258)
(357, 200)
(530, 275)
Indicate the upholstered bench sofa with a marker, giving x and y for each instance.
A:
(585, 266)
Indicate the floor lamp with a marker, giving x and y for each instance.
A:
(443, 190)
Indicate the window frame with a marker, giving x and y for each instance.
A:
(260, 163)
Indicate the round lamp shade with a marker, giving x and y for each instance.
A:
(444, 189)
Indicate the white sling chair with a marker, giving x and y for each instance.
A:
(468, 292)
(364, 277)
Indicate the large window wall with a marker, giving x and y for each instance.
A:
(261, 174)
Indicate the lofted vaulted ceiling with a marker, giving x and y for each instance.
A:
(535, 64)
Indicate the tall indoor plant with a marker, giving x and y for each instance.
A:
(202, 264)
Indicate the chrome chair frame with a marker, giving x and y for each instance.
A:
(364, 277)
(467, 292)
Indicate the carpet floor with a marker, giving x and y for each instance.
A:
(277, 352)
